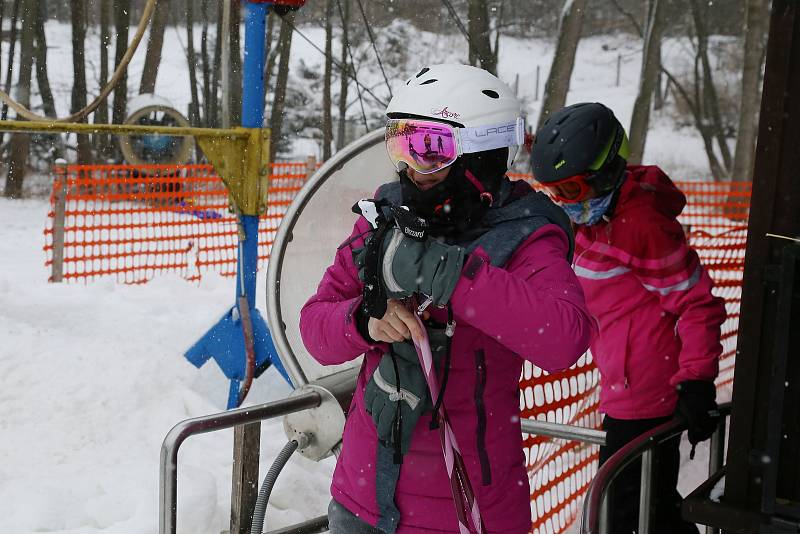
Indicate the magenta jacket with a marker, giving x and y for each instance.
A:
(659, 322)
(532, 308)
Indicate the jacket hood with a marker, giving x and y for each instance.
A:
(649, 185)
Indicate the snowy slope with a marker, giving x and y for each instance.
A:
(92, 379)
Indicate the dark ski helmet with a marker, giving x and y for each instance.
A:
(580, 140)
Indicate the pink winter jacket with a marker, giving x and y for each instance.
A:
(533, 308)
(659, 322)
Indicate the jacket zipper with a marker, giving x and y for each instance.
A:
(480, 385)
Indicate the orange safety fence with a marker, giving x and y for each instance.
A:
(137, 222)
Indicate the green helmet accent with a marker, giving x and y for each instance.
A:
(603, 157)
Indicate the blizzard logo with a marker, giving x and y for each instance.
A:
(494, 130)
(417, 234)
(446, 113)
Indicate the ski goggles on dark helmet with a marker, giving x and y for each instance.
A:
(428, 146)
(603, 175)
(571, 189)
(578, 187)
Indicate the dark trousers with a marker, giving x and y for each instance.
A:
(624, 491)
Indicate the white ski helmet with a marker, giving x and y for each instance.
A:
(462, 95)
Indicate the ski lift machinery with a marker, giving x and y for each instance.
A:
(315, 224)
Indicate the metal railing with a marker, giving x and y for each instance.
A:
(595, 517)
(595, 512)
(168, 483)
(168, 487)
(569, 432)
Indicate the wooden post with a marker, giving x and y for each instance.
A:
(244, 492)
(619, 67)
(59, 216)
(311, 166)
(538, 73)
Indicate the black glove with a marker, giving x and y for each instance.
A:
(696, 406)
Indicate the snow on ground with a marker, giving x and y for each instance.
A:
(92, 377)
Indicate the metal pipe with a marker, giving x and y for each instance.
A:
(312, 526)
(557, 430)
(716, 456)
(590, 518)
(716, 452)
(168, 481)
(646, 489)
(121, 129)
(619, 461)
(605, 516)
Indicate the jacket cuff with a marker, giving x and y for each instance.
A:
(362, 324)
(704, 388)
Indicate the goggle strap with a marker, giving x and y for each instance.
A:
(478, 185)
(490, 137)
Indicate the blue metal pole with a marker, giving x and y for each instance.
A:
(252, 117)
(242, 331)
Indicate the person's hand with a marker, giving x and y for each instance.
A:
(698, 407)
(429, 267)
(398, 324)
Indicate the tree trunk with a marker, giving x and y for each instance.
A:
(709, 90)
(480, 47)
(2, 20)
(20, 142)
(327, 119)
(79, 75)
(102, 141)
(155, 42)
(216, 73)
(206, 68)
(569, 33)
(651, 63)
(658, 95)
(191, 60)
(48, 102)
(276, 117)
(755, 29)
(42, 80)
(341, 131)
(122, 9)
(12, 38)
(236, 64)
(271, 53)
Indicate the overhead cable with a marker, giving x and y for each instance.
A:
(346, 42)
(454, 16)
(374, 47)
(344, 71)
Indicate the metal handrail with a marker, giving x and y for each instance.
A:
(560, 431)
(593, 514)
(168, 483)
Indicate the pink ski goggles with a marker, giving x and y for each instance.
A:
(428, 146)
